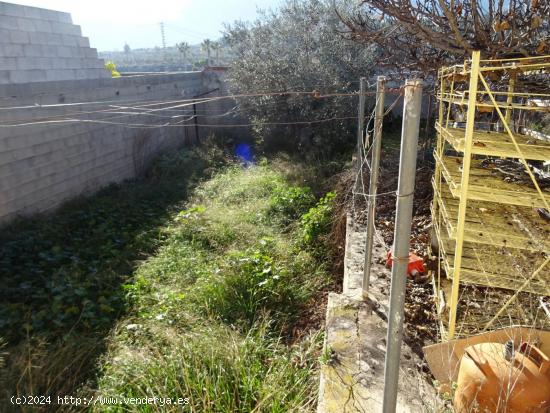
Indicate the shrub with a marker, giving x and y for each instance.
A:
(298, 47)
(316, 222)
(251, 283)
(289, 203)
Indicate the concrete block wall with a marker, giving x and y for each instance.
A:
(222, 111)
(44, 164)
(67, 128)
(38, 45)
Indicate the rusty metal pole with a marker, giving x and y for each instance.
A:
(373, 185)
(401, 239)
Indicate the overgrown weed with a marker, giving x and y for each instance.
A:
(68, 276)
(229, 268)
(179, 296)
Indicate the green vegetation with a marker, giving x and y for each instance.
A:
(210, 307)
(287, 204)
(316, 224)
(65, 276)
(299, 47)
(149, 289)
(67, 273)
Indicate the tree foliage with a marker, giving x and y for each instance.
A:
(298, 48)
(206, 47)
(427, 34)
(183, 48)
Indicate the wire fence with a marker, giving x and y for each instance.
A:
(363, 170)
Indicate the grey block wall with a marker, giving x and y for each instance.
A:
(220, 112)
(67, 128)
(38, 45)
(44, 164)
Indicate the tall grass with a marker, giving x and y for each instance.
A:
(65, 275)
(212, 306)
(217, 368)
(174, 287)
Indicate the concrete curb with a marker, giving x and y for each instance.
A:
(352, 378)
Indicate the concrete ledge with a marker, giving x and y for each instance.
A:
(353, 274)
(338, 375)
(352, 379)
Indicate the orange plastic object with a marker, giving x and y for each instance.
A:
(489, 382)
(416, 264)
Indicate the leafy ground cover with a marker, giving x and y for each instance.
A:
(213, 306)
(65, 275)
(152, 288)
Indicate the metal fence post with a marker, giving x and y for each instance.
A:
(373, 185)
(401, 240)
(361, 121)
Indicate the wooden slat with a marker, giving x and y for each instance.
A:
(484, 186)
(486, 266)
(497, 144)
(496, 224)
(489, 105)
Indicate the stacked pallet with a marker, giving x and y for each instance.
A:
(491, 226)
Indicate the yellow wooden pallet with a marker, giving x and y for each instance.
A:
(505, 268)
(463, 101)
(521, 64)
(495, 224)
(487, 229)
(497, 143)
(486, 186)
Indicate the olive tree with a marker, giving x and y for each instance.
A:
(298, 48)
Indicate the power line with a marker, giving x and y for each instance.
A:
(195, 100)
(150, 107)
(177, 124)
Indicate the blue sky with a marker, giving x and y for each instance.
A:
(111, 23)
